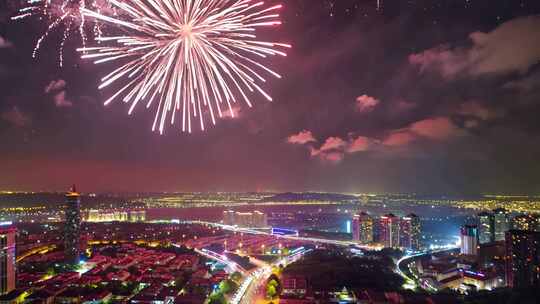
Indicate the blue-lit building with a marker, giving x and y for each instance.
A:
(486, 227)
(502, 223)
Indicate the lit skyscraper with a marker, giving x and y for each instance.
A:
(7, 258)
(527, 222)
(390, 230)
(469, 240)
(486, 227)
(362, 228)
(501, 223)
(72, 226)
(410, 232)
(356, 228)
(259, 219)
(522, 258)
(228, 217)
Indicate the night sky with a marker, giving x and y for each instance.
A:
(438, 97)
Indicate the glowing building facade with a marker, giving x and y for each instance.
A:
(522, 258)
(137, 216)
(527, 222)
(7, 258)
(389, 225)
(486, 227)
(228, 217)
(469, 240)
(72, 227)
(409, 233)
(97, 216)
(362, 228)
(501, 223)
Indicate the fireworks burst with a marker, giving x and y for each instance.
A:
(190, 56)
(65, 15)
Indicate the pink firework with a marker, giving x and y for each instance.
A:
(187, 58)
(65, 16)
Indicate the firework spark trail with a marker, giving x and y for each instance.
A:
(188, 56)
(66, 14)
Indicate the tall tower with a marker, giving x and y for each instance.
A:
(522, 258)
(72, 227)
(469, 240)
(486, 227)
(410, 232)
(362, 228)
(390, 230)
(7, 258)
(502, 223)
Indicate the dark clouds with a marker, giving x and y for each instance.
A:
(431, 96)
(514, 46)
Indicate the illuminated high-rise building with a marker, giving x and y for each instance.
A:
(486, 227)
(228, 217)
(356, 228)
(501, 223)
(522, 258)
(243, 219)
(72, 227)
(259, 219)
(469, 240)
(389, 230)
(7, 258)
(527, 222)
(410, 232)
(362, 228)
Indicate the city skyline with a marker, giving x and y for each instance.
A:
(388, 97)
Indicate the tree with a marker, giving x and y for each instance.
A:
(271, 291)
(272, 288)
(236, 276)
(225, 286)
(217, 298)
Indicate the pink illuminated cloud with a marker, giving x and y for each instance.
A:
(333, 143)
(359, 144)
(366, 103)
(399, 138)
(60, 100)
(303, 137)
(235, 113)
(438, 128)
(55, 85)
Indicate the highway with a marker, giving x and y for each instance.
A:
(257, 285)
(290, 237)
(405, 260)
(253, 285)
